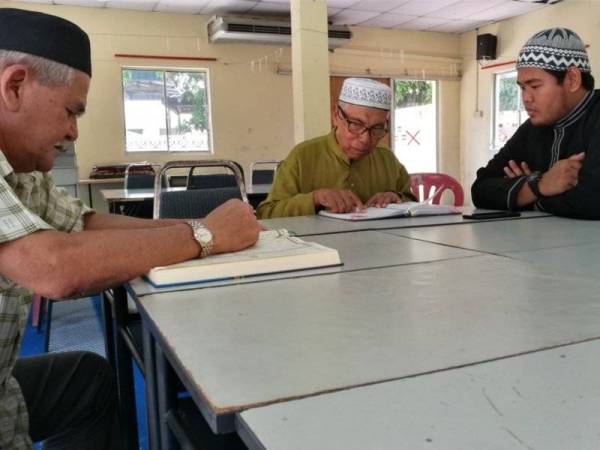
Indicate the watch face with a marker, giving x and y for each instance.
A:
(535, 176)
(203, 234)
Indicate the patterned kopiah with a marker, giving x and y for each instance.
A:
(554, 49)
(366, 92)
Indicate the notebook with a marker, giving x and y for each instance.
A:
(406, 209)
(275, 251)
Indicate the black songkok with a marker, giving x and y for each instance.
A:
(44, 35)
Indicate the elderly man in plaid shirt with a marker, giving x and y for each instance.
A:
(52, 244)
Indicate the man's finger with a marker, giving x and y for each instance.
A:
(355, 200)
(577, 157)
(339, 203)
(576, 165)
(347, 202)
(509, 172)
(515, 167)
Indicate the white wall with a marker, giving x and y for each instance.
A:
(252, 114)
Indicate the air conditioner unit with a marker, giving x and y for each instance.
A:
(265, 31)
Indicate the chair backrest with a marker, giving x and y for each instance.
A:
(177, 180)
(140, 175)
(210, 196)
(430, 186)
(216, 180)
(211, 180)
(193, 203)
(264, 175)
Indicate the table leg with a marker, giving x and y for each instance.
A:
(90, 194)
(124, 370)
(107, 322)
(151, 393)
(167, 398)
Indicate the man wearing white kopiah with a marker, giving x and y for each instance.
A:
(344, 169)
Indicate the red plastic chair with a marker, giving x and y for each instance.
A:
(433, 186)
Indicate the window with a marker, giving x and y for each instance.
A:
(166, 111)
(508, 109)
(415, 124)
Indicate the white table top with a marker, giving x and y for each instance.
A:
(312, 225)
(100, 180)
(580, 260)
(546, 400)
(251, 345)
(358, 250)
(124, 195)
(510, 236)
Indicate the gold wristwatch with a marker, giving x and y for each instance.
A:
(203, 236)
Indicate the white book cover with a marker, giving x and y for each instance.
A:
(406, 209)
(275, 251)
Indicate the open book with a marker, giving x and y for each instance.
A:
(275, 251)
(406, 209)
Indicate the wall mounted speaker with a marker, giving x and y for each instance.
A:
(486, 46)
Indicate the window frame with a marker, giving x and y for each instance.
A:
(210, 140)
(494, 146)
(436, 102)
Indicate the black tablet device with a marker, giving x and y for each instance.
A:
(491, 215)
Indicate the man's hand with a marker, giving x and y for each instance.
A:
(515, 170)
(382, 199)
(337, 200)
(562, 176)
(233, 226)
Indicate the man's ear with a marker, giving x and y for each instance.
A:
(12, 81)
(335, 116)
(573, 79)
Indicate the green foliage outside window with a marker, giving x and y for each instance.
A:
(508, 94)
(187, 90)
(412, 93)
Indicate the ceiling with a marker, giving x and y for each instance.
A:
(450, 16)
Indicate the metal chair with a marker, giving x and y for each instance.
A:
(199, 201)
(431, 186)
(139, 175)
(124, 330)
(194, 203)
(263, 176)
(215, 180)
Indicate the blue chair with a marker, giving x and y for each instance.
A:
(125, 326)
(139, 176)
(215, 180)
(204, 193)
(193, 203)
(263, 175)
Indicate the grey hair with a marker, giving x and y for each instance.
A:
(47, 72)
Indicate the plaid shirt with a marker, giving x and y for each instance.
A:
(29, 202)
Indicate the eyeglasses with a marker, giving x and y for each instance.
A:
(357, 128)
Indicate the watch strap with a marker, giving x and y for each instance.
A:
(203, 237)
(533, 182)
